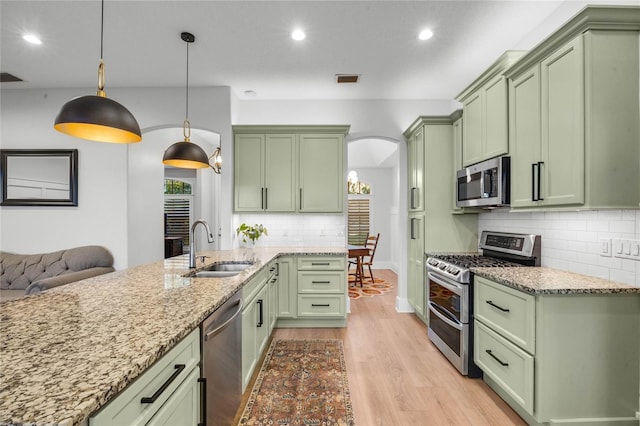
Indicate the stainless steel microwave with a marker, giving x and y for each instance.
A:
(485, 184)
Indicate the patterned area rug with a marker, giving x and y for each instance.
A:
(301, 382)
(369, 288)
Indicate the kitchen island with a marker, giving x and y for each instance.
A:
(66, 352)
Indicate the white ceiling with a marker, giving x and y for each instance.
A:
(246, 44)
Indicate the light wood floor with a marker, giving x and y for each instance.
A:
(397, 377)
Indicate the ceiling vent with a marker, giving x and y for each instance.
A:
(5, 77)
(347, 78)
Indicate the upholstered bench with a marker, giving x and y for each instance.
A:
(22, 274)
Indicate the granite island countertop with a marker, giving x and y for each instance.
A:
(66, 352)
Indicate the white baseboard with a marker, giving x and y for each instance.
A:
(403, 305)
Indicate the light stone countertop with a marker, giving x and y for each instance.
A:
(66, 352)
(543, 280)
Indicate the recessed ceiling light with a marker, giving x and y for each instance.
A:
(298, 34)
(250, 93)
(425, 34)
(31, 38)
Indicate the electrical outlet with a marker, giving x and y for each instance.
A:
(605, 247)
(322, 233)
(627, 249)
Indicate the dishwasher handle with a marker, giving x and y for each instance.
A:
(216, 330)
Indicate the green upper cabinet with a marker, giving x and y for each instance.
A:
(415, 171)
(249, 172)
(485, 108)
(264, 172)
(289, 168)
(280, 176)
(573, 116)
(321, 173)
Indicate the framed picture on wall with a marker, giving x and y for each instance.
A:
(39, 177)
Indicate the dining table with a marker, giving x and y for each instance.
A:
(358, 252)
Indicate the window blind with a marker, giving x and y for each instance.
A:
(177, 214)
(358, 221)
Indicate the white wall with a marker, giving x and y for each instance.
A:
(297, 230)
(102, 213)
(570, 240)
(383, 204)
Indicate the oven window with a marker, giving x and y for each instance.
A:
(449, 335)
(445, 298)
(469, 187)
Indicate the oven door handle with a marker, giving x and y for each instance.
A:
(455, 288)
(435, 308)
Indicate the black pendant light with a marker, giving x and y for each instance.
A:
(96, 117)
(185, 154)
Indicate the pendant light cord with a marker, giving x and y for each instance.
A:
(101, 79)
(187, 101)
(101, 29)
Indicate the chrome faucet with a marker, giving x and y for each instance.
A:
(192, 241)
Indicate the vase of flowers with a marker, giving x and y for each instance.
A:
(250, 234)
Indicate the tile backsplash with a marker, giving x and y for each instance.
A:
(297, 230)
(571, 240)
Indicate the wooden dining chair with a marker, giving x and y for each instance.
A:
(353, 261)
(372, 244)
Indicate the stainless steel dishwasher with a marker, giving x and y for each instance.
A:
(222, 363)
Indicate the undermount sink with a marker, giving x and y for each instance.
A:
(222, 269)
(228, 266)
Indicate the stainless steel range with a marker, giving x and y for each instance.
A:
(450, 293)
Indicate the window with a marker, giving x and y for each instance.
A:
(358, 221)
(178, 210)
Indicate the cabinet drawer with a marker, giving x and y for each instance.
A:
(510, 312)
(321, 263)
(127, 407)
(506, 364)
(325, 282)
(321, 306)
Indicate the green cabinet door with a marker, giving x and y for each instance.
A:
(280, 173)
(415, 283)
(415, 157)
(287, 287)
(321, 173)
(562, 116)
(495, 139)
(249, 341)
(472, 130)
(249, 172)
(524, 128)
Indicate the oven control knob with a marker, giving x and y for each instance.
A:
(442, 267)
(433, 262)
(455, 272)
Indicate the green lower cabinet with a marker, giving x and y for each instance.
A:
(178, 404)
(183, 409)
(316, 292)
(255, 325)
(560, 358)
(416, 270)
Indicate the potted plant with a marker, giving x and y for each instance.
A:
(250, 234)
